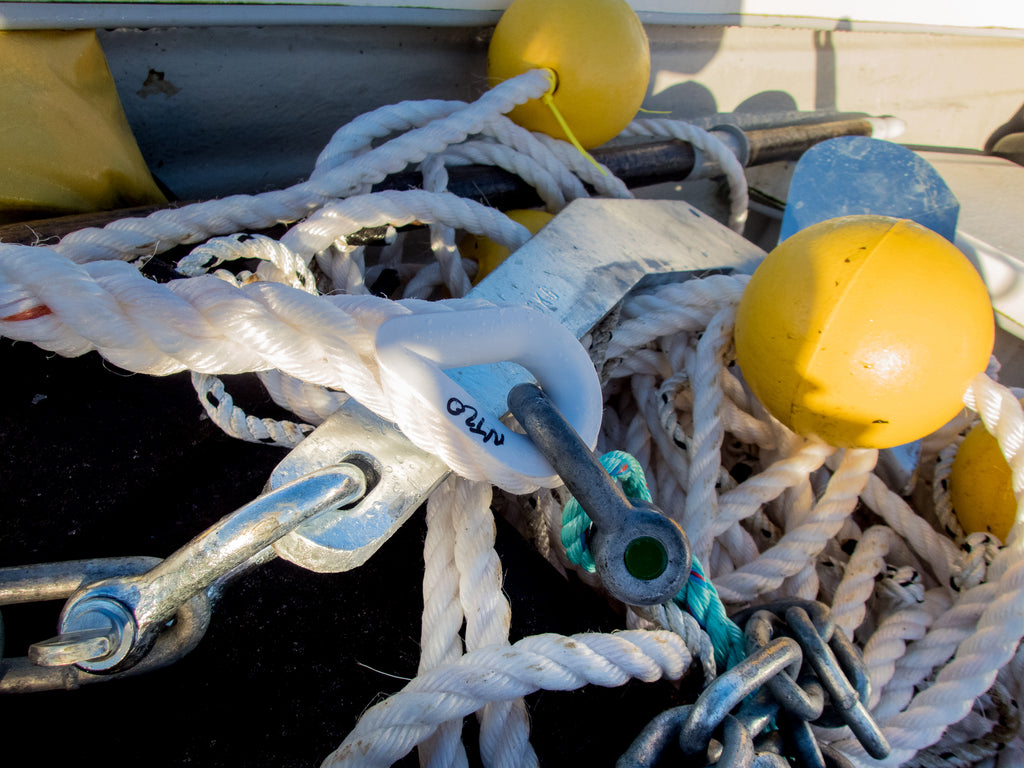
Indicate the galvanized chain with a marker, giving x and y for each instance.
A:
(128, 615)
(799, 670)
(54, 581)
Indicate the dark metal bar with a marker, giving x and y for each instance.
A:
(789, 142)
(638, 165)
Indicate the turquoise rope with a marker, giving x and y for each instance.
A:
(701, 599)
(699, 596)
(624, 469)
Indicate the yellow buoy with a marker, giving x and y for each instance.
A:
(598, 51)
(981, 486)
(864, 331)
(489, 254)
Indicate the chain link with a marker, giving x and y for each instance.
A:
(798, 671)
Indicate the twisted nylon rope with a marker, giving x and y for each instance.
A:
(711, 146)
(675, 401)
(440, 642)
(392, 728)
(213, 325)
(504, 725)
(1000, 625)
(131, 238)
(462, 580)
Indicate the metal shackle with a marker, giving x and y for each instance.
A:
(642, 557)
(111, 625)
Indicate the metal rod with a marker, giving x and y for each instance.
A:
(638, 165)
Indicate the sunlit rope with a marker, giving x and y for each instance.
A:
(939, 614)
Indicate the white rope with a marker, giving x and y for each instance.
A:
(941, 502)
(358, 135)
(504, 725)
(214, 326)
(806, 541)
(442, 236)
(889, 642)
(131, 238)
(708, 432)
(336, 220)
(859, 578)
(1000, 625)
(440, 642)
(392, 728)
(597, 176)
(671, 617)
(279, 265)
(221, 409)
(936, 550)
(310, 403)
(344, 266)
(977, 551)
(954, 624)
(426, 280)
(940, 627)
(554, 191)
(709, 144)
(550, 155)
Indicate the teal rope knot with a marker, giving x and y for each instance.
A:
(699, 596)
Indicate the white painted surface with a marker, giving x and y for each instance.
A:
(990, 228)
(982, 16)
(219, 110)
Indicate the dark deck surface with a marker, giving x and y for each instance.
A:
(97, 462)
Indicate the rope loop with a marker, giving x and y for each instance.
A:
(772, 515)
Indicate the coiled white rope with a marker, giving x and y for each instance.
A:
(131, 238)
(674, 398)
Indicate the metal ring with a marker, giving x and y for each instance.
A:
(649, 746)
(805, 704)
(19, 675)
(758, 711)
(852, 663)
(769, 760)
(818, 611)
(843, 694)
(737, 745)
(834, 758)
(801, 740)
(730, 688)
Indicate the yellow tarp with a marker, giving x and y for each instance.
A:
(65, 145)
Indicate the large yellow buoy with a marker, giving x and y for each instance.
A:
(489, 254)
(981, 486)
(598, 51)
(864, 331)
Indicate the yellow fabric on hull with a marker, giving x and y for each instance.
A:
(65, 144)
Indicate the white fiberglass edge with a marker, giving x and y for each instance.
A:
(986, 17)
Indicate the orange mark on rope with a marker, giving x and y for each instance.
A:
(28, 314)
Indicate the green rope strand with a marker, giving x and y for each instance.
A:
(699, 596)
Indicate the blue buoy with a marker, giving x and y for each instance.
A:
(858, 175)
